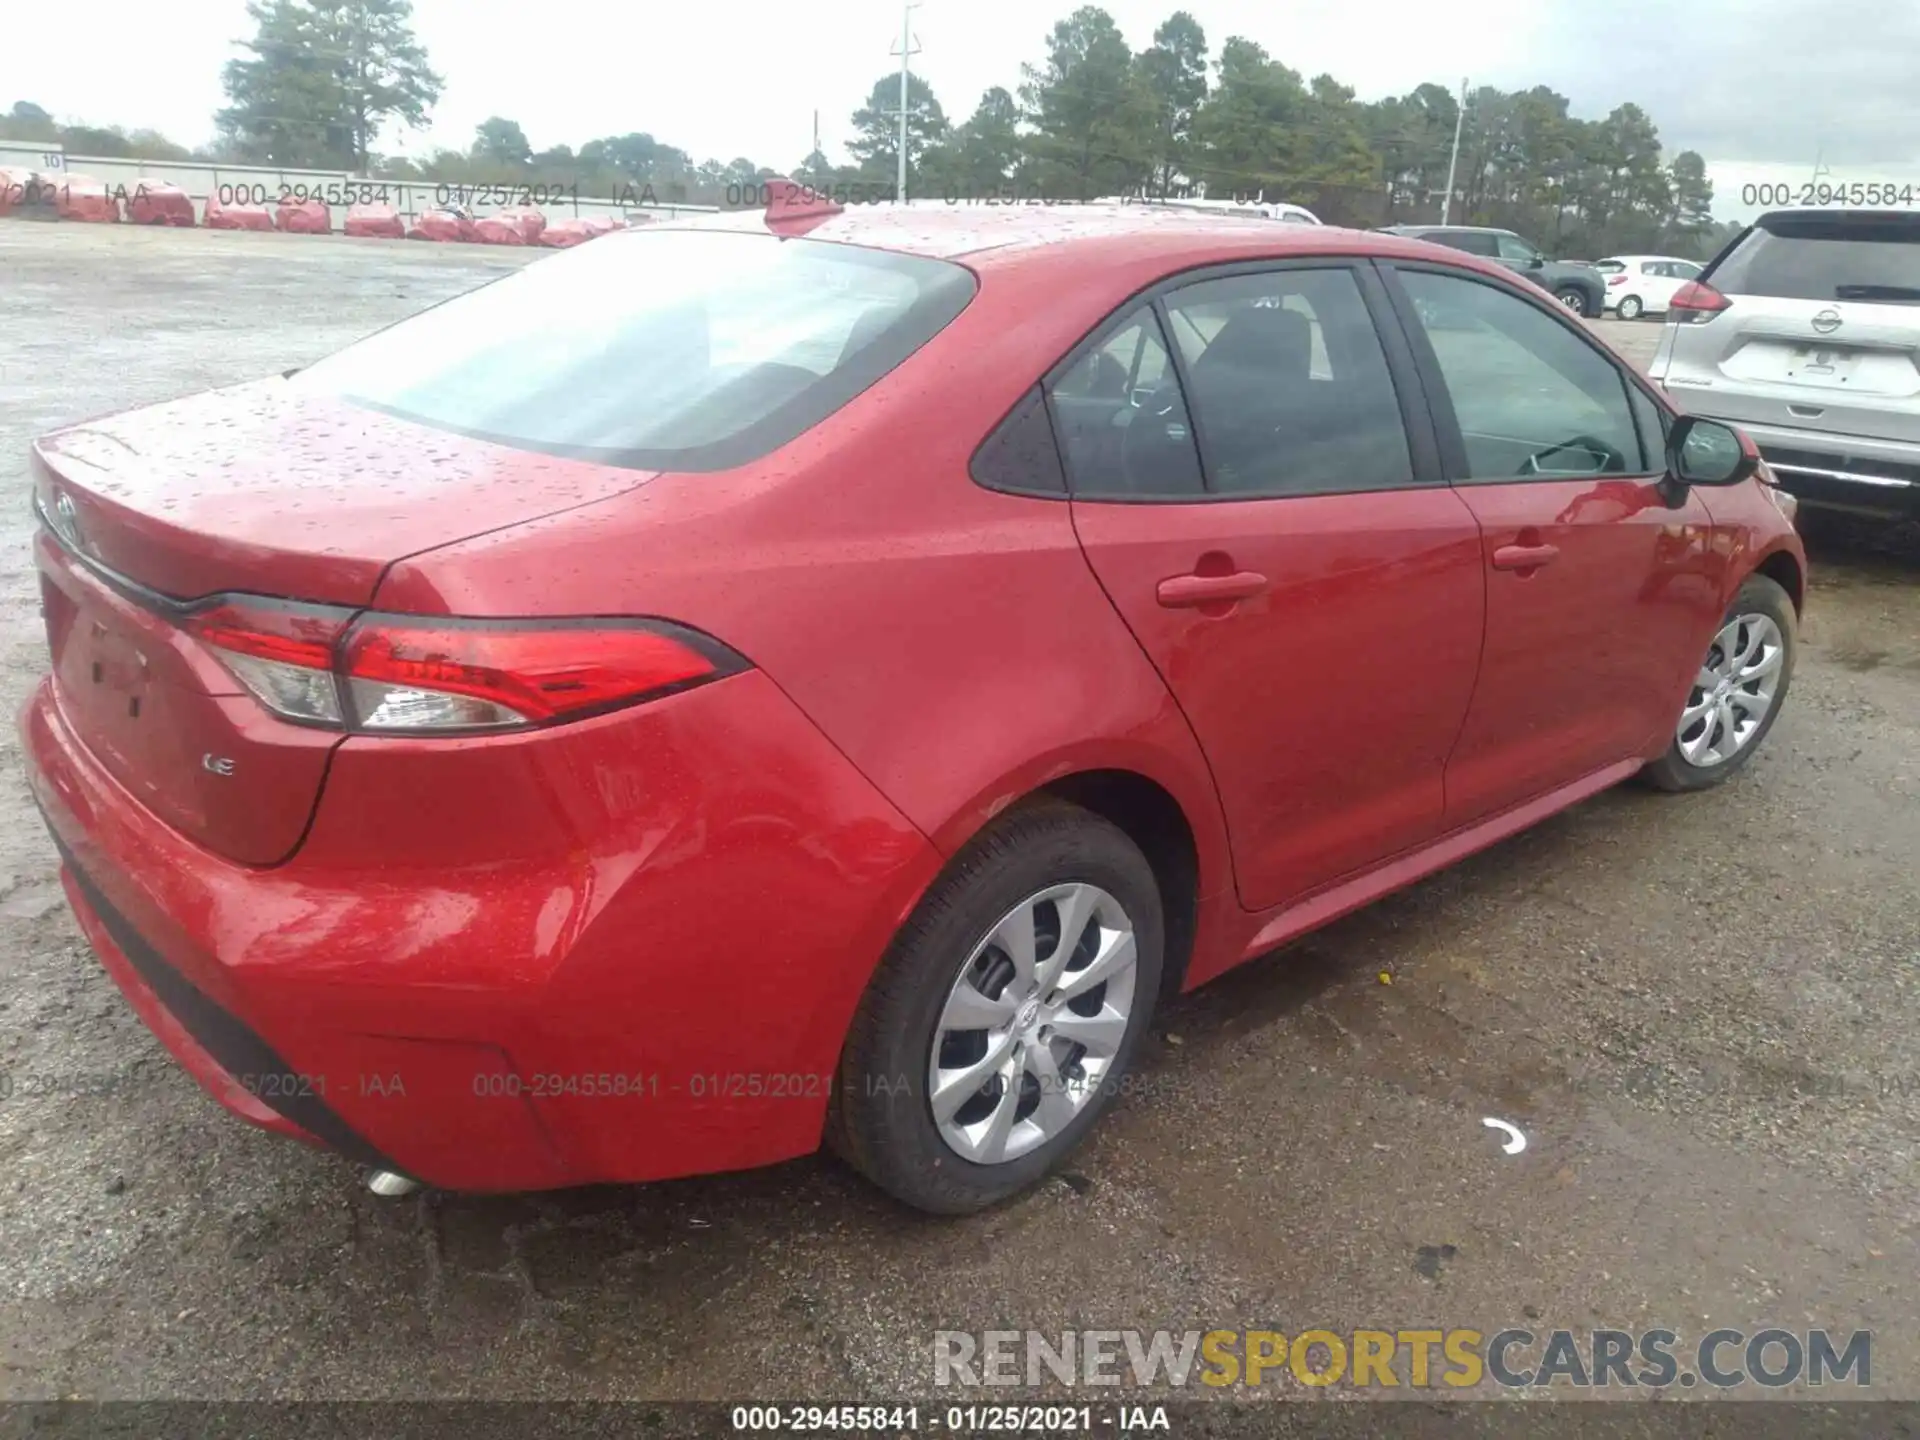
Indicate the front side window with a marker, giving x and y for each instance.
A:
(1513, 248)
(1474, 242)
(1289, 385)
(1533, 399)
(669, 350)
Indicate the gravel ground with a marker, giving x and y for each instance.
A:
(1700, 1010)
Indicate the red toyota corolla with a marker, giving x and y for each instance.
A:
(827, 674)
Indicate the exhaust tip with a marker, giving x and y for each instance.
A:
(390, 1185)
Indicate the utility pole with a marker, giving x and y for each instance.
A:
(907, 51)
(1453, 162)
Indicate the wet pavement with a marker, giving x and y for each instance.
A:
(1699, 1010)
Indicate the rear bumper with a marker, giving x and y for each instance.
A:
(447, 983)
(1849, 472)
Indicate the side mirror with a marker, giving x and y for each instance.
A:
(1538, 262)
(1705, 452)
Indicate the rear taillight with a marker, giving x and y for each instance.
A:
(1695, 303)
(1616, 280)
(413, 674)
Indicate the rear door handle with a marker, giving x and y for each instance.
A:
(1524, 557)
(1182, 590)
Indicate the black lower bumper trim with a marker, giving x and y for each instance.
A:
(236, 1048)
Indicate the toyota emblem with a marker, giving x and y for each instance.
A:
(1827, 321)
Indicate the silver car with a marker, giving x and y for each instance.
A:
(1805, 332)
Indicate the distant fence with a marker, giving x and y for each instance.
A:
(269, 185)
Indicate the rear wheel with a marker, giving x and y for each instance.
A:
(1738, 692)
(1630, 307)
(1005, 1014)
(1573, 297)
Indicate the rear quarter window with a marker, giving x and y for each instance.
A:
(666, 350)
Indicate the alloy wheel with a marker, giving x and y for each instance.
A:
(1733, 692)
(1573, 300)
(1033, 1023)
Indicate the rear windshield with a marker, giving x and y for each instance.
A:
(1855, 257)
(670, 350)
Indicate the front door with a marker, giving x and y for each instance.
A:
(1245, 488)
(1601, 594)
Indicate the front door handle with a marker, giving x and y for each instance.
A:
(1524, 557)
(1185, 590)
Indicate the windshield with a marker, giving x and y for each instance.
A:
(1874, 258)
(672, 350)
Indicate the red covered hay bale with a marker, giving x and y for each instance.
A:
(237, 217)
(305, 217)
(154, 202)
(380, 220)
(441, 225)
(81, 197)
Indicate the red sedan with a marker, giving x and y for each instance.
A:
(824, 674)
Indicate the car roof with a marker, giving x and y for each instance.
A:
(1840, 212)
(1425, 229)
(999, 236)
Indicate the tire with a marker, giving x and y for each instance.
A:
(883, 1121)
(1630, 307)
(1686, 766)
(1575, 299)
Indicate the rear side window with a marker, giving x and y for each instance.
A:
(1826, 257)
(1020, 455)
(1474, 242)
(1121, 419)
(671, 350)
(1289, 385)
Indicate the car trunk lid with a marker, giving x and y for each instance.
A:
(256, 491)
(262, 489)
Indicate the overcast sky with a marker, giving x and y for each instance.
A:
(1760, 87)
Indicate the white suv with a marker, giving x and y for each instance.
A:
(1643, 284)
(1805, 332)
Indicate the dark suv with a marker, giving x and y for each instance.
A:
(1576, 285)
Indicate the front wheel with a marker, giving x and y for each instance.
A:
(1005, 1015)
(1574, 298)
(1738, 692)
(1630, 307)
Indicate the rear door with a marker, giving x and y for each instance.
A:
(1821, 331)
(1601, 594)
(1282, 545)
